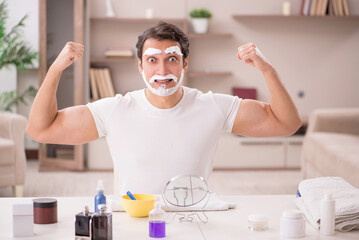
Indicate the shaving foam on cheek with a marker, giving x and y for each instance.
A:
(152, 51)
(174, 49)
(162, 91)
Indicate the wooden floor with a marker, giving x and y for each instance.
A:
(58, 184)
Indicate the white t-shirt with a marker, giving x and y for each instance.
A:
(149, 145)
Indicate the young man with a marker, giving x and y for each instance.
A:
(166, 129)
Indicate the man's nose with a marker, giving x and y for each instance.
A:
(162, 68)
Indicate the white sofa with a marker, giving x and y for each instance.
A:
(331, 145)
(12, 151)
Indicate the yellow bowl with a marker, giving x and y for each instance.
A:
(139, 207)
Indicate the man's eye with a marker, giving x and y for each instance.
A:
(173, 59)
(151, 60)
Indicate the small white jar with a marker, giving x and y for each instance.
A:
(257, 222)
(292, 224)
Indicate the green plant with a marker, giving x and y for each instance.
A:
(200, 13)
(14, 51)
(11, 98)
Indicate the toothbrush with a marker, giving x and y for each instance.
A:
(130, 195)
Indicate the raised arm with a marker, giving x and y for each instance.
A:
(73, 125)
(279, 117)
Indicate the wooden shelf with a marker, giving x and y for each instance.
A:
(261, 140)
(259, 16)
(139, 20)
(210, 35)
(111, 59)
(209, 74)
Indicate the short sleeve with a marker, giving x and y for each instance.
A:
(228, 106)
(101, 111)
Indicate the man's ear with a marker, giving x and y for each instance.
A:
(140, 66)
(185, 64)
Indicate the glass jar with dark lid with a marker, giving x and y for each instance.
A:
(45, 210)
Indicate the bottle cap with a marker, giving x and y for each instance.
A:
(86, 210)
(99, 185)
(292, 213)
(157, 203)
(257, 218)
(101, 208)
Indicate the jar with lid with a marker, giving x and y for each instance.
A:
(292, 224)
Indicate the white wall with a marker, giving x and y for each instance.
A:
(317, 56)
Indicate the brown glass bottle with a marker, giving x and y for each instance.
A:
(101, 224)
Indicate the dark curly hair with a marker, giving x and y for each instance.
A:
(164, 31)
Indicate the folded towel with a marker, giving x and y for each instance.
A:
(311, 192)
(213, 204)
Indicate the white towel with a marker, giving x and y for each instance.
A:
(213, 204)
(346, 201)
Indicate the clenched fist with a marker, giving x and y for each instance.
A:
(69, 54)
(251, 55)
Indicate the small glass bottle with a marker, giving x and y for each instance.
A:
(157, 221)
(100, 198)
(82, 224)
(101, 224)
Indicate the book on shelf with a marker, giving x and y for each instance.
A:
(346, 8)
(335, 7)
(109, 83)
(319, 8)
(330, 8)
(306, 7)
(119, 52)
(322, 8)
(101, 83)
(340, 8)
(325, 7)
(93, 86)
(313, 7)
(302, 7)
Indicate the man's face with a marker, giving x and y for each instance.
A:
(162, 65)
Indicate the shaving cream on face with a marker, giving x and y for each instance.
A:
(162, 91)
(174, 49)
(169, 50)
(158, 77)
(152, 51)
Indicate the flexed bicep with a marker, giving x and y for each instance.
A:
(256, 119)
(73, 125)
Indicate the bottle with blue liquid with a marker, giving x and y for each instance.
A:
(100, 198)
(157, 221)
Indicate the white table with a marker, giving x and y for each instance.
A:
(224, 225)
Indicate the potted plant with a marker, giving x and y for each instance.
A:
(199, 19)
(14, 52)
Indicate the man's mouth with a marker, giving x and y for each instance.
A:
(163, 81)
